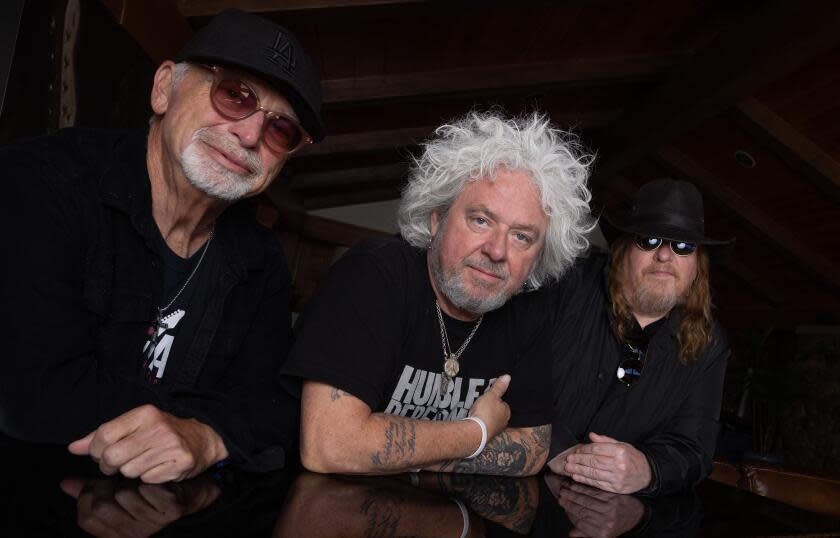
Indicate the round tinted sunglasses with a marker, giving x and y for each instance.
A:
(235, 100)
(680, 248)
(630, 369)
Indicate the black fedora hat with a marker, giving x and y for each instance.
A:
(266, 49)
(670, 209)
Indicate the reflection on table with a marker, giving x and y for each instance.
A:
(50, 493)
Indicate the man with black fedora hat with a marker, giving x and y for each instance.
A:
(639, 359)
(149, 311)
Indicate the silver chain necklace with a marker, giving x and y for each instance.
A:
(158, 323)
(450, 359)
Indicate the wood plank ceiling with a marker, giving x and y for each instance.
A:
(655, 88)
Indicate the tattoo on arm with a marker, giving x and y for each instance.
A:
(382, 512)
(335, 394)
(399, 446)
(508, 454)
(509, 502)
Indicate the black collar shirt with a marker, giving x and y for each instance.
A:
(83, 282)
(670, 414)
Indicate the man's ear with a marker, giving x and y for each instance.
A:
(434, 222)
(162, 87)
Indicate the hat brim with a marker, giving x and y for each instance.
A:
(719, 250)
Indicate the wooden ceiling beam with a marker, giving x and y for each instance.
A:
(349, 178)
(388, 139)
(797, 150)
(156, 25)
(368, 141)
(769, 44)
(341, 199)
(575, 72)
(292, 217)
(201, 8)
(768, 293)
(756, 219)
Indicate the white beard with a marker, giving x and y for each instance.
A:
(452, 286)
(211, 177)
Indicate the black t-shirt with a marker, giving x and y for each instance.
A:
(179, 321)
(372, 330)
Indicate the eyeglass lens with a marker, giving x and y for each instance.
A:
(680, 248)
(629, 371)
(236, 100)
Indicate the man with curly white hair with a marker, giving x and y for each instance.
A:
(415, 354)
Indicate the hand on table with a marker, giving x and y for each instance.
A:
(595, 513)
(608, 464)
(153, 445)
(490, 407)
(558, 463)
(116, 507)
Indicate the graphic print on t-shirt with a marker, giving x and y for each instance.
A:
(158, 354)
(417, 395)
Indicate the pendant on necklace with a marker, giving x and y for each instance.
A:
(157, 325)
(444, 383)
(451, 366)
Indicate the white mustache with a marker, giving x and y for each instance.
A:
(249, 158)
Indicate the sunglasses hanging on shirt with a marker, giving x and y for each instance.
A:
(630, 368)
(680, 248)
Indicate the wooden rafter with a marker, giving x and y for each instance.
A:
(410, 136)
(368, 141)
(756, 219)
(341, 199)
(349, 178)
(797, 150)
(198, 8)
(156, 25)
(291, 216)
(770, 44)
(501, 78)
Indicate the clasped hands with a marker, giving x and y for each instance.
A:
(152, 445)
(605, 463)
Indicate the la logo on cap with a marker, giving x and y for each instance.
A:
(282, 51)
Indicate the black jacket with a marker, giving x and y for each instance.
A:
(80, 285)
(670, 414)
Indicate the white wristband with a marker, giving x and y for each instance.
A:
(483, 436)
(465, 515)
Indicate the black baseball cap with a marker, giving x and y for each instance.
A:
(266, 49)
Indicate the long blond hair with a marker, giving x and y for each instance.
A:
(695, 331)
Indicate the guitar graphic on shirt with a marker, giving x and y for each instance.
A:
(158, 346)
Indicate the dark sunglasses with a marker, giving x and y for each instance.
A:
(630, 369)
(680, 248)
(235, 100)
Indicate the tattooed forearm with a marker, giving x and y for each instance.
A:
(382, 513)
(510, 502)
(399, 446)
(511, 453)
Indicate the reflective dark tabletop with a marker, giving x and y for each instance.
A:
(50, 493)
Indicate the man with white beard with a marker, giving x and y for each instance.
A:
(638, 358)
(423, 351)
(149, 314)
